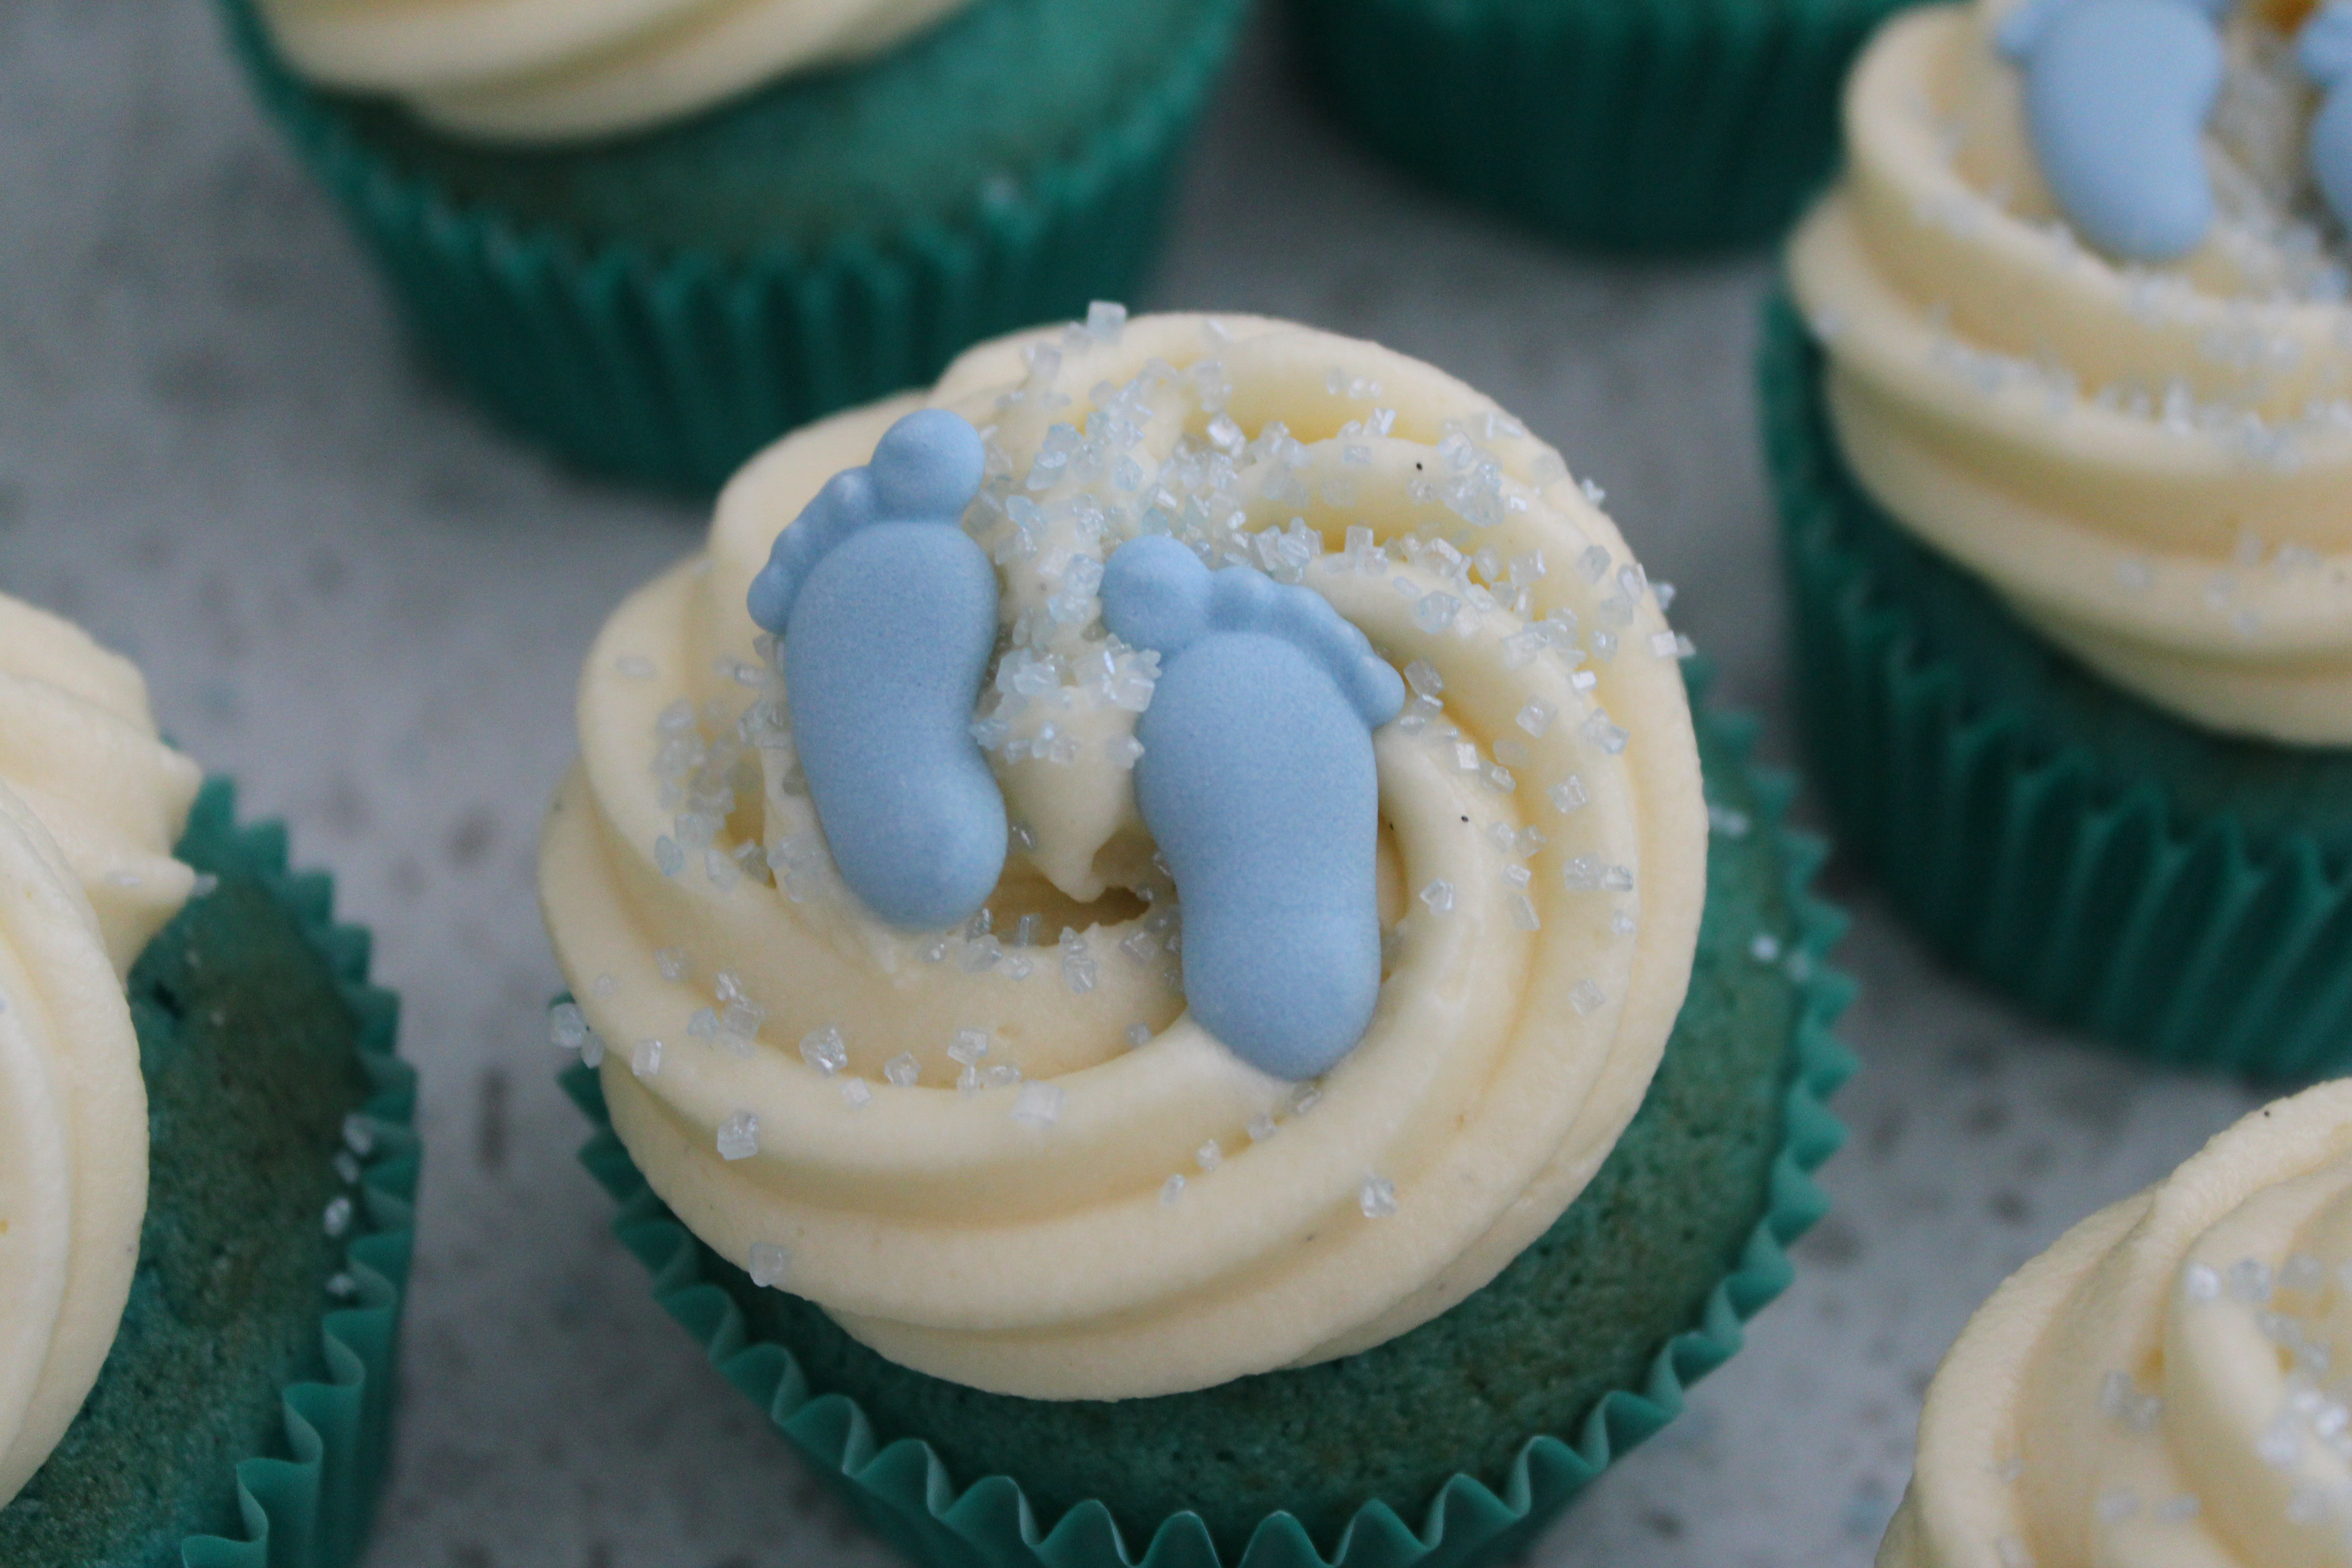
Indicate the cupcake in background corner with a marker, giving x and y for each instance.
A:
(2164, 1387)
(2062, 427)
(1167, 882)
(654, 235)
(1655, 127)
(203, 1156)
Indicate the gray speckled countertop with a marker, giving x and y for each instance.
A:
(351, 595)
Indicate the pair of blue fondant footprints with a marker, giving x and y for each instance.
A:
(1257, 777)
(2116, 96)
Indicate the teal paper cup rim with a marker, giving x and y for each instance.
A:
(904, 1491)
(1652, 127)
(671, 366)
(312, 1505)
(2093, 871)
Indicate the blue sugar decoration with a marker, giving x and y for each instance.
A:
(1257, 780)
(2324, 50)
(2117, 95)
(887, 610)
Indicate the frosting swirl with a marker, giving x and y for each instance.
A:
(2152, 464)
(2165, 1385)
(559, 71)
(90, 805)
(1006, 1156)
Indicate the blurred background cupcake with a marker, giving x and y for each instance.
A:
(1641, 126)
(654, 235)
(988, 1221)
(2064, 447)
(205, 1162)
(2160, 1386)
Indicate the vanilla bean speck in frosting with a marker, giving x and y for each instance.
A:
(2150, 460)
(90, 805)
(2166, 1387)
(1004, 1153)
(551, 71)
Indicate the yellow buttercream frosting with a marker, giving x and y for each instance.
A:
(556, 70)
(2153, 465)
(90, 803)
(2164, 1388)
(1005, 1155)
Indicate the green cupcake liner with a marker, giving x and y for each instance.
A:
(898, 1483)
(308, 1501)
(671, 366)
(1641, 126)
(2181, 895)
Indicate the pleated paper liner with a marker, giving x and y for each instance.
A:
(2182, 895)
(670, 365)
(946, 1515)
(1637, 126)
(305, 1496)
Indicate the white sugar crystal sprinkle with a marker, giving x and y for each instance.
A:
(1209, 1155)
(592, 1050)
(645, 1058)
(1621, 923)
(902, 1069)
(672, 962)
(1039, 1104)
(738, 1136)
(342, 1287)
(1377, 1197)
(1569, 795)
(1765, 948)
(1106, 320)
(968, 1047)
(1726, 822)
(824, 1050)
(338, 1217)
(1599, 732)
(769, 1262)
(1422, 676)
(1138, 1034)
(1261, 1128)
(668, 856)
(565, 1026)
(1523, 912)
(1171, 1189)
(856, 1093)
(2201, 1282)
(1536, 717)
(1585, 997)
(1438, 895)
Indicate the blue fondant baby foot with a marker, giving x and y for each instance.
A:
(1258, 781)
(2117, 95)
(2325, 52)
(887, 612)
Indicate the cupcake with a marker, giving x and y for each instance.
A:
(2064, 451)
(2162, 1387)
(654, 236)
(205, 1165)
(1162, 963)
(1641, 126)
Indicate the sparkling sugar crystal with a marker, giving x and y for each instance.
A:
(1536, 717)
(968, 1047)
(1523, 912)
(646, 1059)
(1209, 1155)
(769, 1262)
(1585, 997)
(824, 1050)
(1438, 895)
(902, 1069)
(338, 1217)
(1377, 1197)
(738, 1136)
(1138, 1034)
(1172, 1190)
(566, 1027)
(856, 1093)
(1570, 795)
(1039, 1104)
(672, 962)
